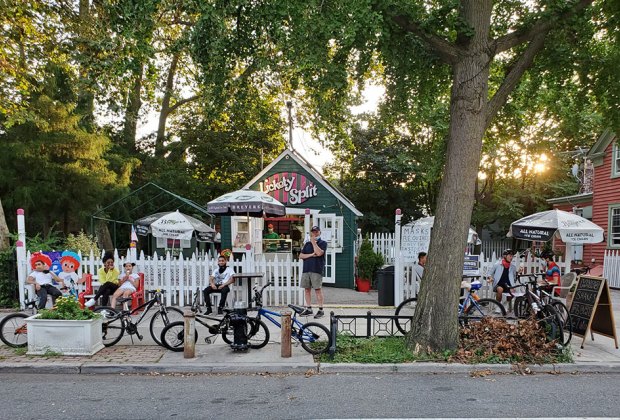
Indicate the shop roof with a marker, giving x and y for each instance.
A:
(316, 174)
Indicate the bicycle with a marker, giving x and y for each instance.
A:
(314, 337)
(173, 334)
(471, 308)
(116, 323)
(532, 304)
(13, 327)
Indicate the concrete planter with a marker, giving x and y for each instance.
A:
(71, 338)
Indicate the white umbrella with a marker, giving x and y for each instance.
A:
(472, 235)
(174, 225)
(569, 227)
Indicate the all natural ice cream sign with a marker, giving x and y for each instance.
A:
(289, 188)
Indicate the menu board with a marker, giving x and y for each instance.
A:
(591, 309)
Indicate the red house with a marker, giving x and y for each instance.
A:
(599, 198)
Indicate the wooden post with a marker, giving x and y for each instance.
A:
(189, 345)
(285, 334)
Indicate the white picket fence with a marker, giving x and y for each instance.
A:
(529, 264)
(611, 268)
(181, 277)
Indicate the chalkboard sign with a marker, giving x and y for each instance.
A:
(591, 308)
(585, 298)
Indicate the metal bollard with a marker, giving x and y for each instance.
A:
(189, 345)
(285, 334)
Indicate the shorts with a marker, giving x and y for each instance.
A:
(311, 280)
(503, 285)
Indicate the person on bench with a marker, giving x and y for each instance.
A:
(219, 281)
(108, 280)
(42, 277)
(128, 283)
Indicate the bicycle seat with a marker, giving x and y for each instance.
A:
(298, 309)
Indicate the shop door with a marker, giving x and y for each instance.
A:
(329, 233)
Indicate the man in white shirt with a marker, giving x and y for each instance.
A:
(219, 281)
(42, 277)
(419, 267)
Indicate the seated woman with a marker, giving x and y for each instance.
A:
(128, 283)
(42, 277)
(219, 281)
(108, 278)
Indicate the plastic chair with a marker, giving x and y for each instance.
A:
(137, 297)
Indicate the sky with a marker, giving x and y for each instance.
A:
(303, 142)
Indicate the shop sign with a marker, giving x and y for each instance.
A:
(289, 187)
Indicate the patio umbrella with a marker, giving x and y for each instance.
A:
(174, 225)
(246, 202)
(472, 235)
(569, 227)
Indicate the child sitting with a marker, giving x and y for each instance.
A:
(127, 281)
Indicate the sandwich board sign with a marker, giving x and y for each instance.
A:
(591, 309)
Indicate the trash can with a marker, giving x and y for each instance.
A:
(385, 285)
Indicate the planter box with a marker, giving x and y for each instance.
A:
(71, 338)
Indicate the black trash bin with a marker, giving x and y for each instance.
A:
(385, 285)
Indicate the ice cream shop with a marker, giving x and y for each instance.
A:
(310, 200)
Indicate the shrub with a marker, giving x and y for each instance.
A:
(82, 242)
(69, 309)
(368, 261)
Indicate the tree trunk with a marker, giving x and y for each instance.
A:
(4, 230)
(104, 239)
(434, 326)
(134, 103)
(86, 97)
(165, 106)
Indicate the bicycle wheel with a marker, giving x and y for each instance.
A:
(13, 330)
(161, 318)
(173, 336)
(485, 308)
(406, 308)
(564, 315)
(552, 324)
(259, 334)
(113, 326)
(521, 307)
(314, 338)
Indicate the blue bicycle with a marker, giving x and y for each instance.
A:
(312, 336)
(470, 308)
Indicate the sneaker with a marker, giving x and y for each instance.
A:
(306, 312)
(220, 311)
(208, 311)
(89, 303)
(319, 314)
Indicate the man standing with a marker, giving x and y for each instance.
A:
(419, 267)
(313, 255)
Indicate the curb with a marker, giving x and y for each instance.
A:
(306, 368)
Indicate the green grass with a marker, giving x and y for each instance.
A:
(20, 351)
(375, 350)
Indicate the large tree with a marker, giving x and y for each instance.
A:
(480, 48)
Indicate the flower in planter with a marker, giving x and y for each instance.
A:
(67, 308)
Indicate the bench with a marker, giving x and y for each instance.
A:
(137, 297)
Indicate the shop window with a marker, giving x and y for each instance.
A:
(614, 226)
(615, 162)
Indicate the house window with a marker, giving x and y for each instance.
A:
(614, 226)
(615, 163)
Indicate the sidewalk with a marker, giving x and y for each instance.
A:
(599, 355)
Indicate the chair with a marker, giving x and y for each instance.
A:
(137, 297)
(566, 282)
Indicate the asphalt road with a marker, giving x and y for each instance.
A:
(29, 396)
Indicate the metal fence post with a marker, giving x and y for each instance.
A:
(285, 338)
(189, 345)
